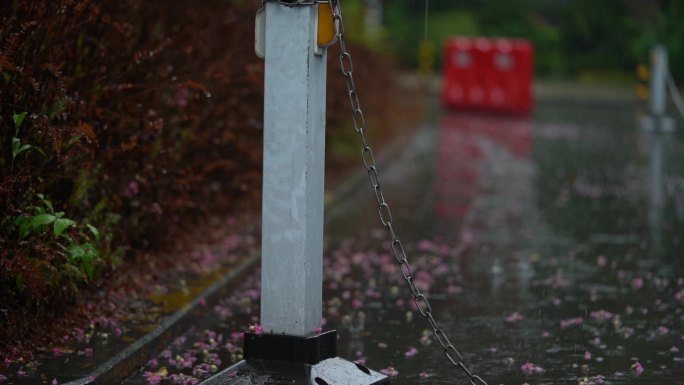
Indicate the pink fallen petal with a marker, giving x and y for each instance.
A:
(425, 245)
(587, 355)
(179, 341)
(637, 368)
(410, 352)
(529, 369)
(601, 261)
(389, 371)
(152, 378)
(424, 375)
(680, 296)
(515, 317)
(601, 315)
(572, 321)
(596, 380)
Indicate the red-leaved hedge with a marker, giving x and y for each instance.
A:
(126, 123)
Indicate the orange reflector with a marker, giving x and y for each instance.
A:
(326, 25)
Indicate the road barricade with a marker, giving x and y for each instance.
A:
(489, 75)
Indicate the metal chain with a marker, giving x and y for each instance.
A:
(421, 301)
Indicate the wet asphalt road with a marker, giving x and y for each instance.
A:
(549, 246)
(563, 235)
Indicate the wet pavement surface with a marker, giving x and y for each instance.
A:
(549, 248)
(563, 238)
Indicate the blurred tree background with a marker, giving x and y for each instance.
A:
(574, 39)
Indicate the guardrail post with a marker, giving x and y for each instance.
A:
(658, 93)
(657, 119)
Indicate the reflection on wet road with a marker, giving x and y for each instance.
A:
(550, 248)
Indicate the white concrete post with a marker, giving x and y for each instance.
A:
(659, 73)
(294, 148)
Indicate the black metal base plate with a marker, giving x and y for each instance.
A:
(310, 349)
(332, 371)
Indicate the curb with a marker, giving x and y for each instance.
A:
(119, 367)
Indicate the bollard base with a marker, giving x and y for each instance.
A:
(333, 371)
(273, 359)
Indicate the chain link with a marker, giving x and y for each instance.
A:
(421, 301)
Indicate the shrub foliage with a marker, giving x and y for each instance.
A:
(122, 123)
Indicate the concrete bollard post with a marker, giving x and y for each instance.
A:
(294, 146)
(290, 349)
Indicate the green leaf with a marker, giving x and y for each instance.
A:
(24, 224)
(43, 219)
(88, 267)
(88, 262)
(94, 230)
(62, 224)
(46, 202)
(18, 119)
(19, 220)
(17, 148)
(24, 229)
(85, 255)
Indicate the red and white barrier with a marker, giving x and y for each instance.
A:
(489, 75)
